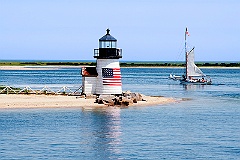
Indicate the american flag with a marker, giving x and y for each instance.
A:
(111, 76)
(187, 33)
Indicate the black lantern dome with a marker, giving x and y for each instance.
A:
(107, 48)
(108, 37)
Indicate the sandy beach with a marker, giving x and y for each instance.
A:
(59, 101)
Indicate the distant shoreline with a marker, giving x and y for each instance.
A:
(68, 67)
(135, 64)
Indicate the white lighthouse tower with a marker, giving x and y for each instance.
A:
(105, 78)
(108, 68)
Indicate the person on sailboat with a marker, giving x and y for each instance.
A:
(184, 78)
(203, 80)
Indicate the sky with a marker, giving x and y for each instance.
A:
(146, 30)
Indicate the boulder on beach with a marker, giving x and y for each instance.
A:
(127, 98)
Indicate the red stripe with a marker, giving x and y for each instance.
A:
(112, 79)
(113, 84)
(115, 80)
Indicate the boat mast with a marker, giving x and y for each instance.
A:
(186, 56)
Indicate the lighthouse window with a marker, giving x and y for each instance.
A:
(114, 44)
(102, 44)
(107, 44)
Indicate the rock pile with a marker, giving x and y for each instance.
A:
(127, 98)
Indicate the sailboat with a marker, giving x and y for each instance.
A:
(193, 74)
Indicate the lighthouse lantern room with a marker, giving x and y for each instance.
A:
(107, 77)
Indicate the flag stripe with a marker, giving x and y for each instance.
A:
(111, 76)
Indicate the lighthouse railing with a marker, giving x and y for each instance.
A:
(96, 52)
(118, 53)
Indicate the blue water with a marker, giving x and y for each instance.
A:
(206, 125)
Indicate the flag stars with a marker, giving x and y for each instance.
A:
(107, 72)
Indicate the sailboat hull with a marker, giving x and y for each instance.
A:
(195, 82)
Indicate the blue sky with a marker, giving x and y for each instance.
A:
(150, 30)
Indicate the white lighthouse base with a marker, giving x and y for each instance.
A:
(89, 85)
(109, 77)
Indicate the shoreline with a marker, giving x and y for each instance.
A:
(67, 67)
(13, 101)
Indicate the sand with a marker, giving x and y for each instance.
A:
(11, 101)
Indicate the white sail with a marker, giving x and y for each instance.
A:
(192, 69)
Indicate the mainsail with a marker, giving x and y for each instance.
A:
(192, 69)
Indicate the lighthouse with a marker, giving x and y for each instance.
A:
(105, 78)
(108, 68)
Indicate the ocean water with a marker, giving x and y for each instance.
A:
(203, 124)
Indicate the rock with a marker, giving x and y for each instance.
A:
(126, 94)
(111, 103)
(126, 101)
(107, 98)
(99, 101)
(139, 97)
(131, 95)
(127, 98)
(134, 100)
(90, 96)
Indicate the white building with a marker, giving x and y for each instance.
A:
(105, 78)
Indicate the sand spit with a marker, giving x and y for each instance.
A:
(59, 101)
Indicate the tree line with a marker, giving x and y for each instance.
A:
(124, 64)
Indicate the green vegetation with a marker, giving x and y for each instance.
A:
(16, 63)
(14, 88)
(8, 90)
(123, 64)
(2, 87)
(179, 64)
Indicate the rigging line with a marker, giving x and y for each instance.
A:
(180, 54)
(190, 46)
(180, 51)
